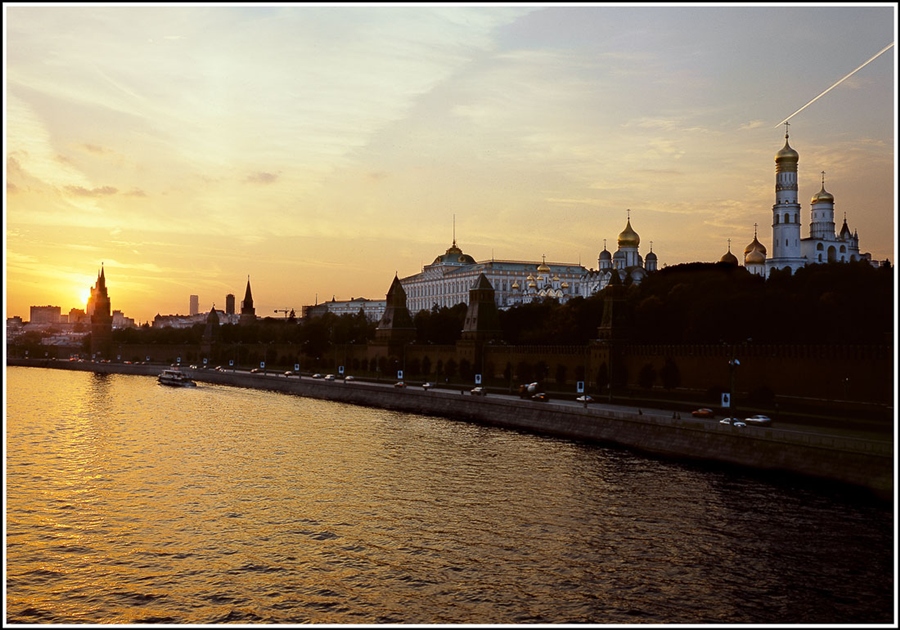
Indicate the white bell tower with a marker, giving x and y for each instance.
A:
(786, 252)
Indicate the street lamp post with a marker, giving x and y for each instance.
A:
(733, 364)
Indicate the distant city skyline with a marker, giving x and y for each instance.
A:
(327, 148)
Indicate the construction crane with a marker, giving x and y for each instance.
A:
(288, 313)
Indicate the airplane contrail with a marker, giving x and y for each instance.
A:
(878, 54)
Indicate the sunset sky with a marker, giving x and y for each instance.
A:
(320, 149)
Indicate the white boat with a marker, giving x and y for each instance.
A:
(175, 378)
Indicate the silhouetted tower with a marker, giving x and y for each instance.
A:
(101, 318)
(229, 304)
(210, 333)
(248, 313)
(482, 317)
(482, 324)
(396, 325)
(612, 326)
(395, 330)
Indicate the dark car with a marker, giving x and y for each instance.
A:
(703, 413)
(540, 397)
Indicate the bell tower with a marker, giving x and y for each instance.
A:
(786, 252)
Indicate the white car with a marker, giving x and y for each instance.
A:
(584, 399)
(735, 422)
(349, 377)
(759, 420)
(329, 377)
(427, 386)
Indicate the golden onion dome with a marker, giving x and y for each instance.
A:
(532, 285)
(755, 245)
(787, 154)
(564, 285)
(515, 286)
(822, 196)
(729, 258)
(628, 237)
(755, 257)
(540, 278)
(543, 268)
(530, 278)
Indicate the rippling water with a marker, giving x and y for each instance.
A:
(128, 502)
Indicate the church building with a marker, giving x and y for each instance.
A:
(789, 249)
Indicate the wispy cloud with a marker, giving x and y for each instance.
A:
(81, 191)
(261, 178)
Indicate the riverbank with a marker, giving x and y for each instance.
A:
(858, 461)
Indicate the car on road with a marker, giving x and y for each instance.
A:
(349, 377)
(399, 384)
(703, 413)
(735, 422)
(478, 391)
(317, 375)
(255, 371)
(584, 399)
(540, 397)
(329, 377)
(427, 386)
(759, 420)
(289, 373)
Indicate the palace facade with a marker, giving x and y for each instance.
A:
(448, 279)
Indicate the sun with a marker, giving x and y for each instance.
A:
(85, 296)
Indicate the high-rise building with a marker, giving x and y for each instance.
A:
(45, 314)
(229, 303)
(195, 305)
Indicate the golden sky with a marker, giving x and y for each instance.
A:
(320, 149)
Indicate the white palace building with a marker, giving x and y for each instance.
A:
(447, 280)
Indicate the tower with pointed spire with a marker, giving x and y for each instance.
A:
(248, 313)
(395, 329)
(99, 309)
(396, 325)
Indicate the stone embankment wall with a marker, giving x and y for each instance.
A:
(859, 462)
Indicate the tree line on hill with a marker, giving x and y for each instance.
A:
(692, 303)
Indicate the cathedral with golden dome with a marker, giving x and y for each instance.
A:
(447, 280)
(789, 249)
(626, 263)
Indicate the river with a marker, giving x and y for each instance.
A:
(129, 502)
